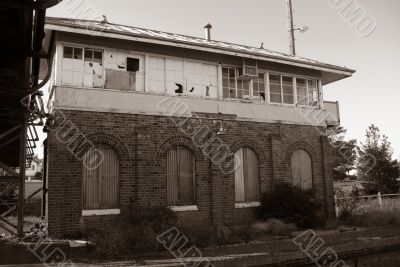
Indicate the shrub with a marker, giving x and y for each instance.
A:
(38, 231)
(348, 204)
(292, 205)
(159, 219)
(135, 230)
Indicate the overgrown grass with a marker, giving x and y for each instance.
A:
(367, 211)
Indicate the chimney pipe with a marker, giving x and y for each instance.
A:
(208, 31)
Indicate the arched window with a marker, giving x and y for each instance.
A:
(181, 182)
(247, 180)
(100, 178)
(302, 169)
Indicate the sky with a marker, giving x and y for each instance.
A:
(372, 95)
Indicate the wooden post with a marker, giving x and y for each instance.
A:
(379, 198)
(336, 207)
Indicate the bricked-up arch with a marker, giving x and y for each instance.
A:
(101, 178)
(127, 182)
(247, 175)
(161, 162)
(264, 163)
(300, 146)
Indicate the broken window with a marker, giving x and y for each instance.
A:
(101, 180)
(174, 76)
(247, 180)
(307, 92)
(313, 93)
(93, 68)
(259, 88)
(180, 177)
(132, 64)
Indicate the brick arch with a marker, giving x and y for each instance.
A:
(253, 145)
(300, 145)
(122, 150)
(178, 141)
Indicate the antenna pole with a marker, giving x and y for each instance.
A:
(292, 48)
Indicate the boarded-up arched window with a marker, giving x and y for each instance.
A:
(180, 177)
(100, 178)
(302, 169)
(247, 181)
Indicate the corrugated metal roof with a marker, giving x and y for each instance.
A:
(107, 27)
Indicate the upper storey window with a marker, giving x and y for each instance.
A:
(233, 87)
(123, 70)
(281, 89)
(259, 88)
(307, 92)
(72, 52)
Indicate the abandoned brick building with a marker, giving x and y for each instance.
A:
(120, 89)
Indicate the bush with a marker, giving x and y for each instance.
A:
(348, 204)
(136, 230)
(292, 205)
(38, 231)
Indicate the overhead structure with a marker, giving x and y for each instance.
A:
(21, 106)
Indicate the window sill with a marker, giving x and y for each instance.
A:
(101, 212)
(184, 208)
(243, 205)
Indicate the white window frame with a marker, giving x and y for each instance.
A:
(281, 83)
(319, 88)
(250, 100)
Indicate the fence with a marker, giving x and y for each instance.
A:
(378, 202)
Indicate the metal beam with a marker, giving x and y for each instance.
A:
(22, 168)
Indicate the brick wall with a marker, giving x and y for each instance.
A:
(141, 142)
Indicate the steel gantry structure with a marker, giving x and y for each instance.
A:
(22, 55)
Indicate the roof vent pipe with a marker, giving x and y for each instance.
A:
(208, 31)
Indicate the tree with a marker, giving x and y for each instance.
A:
(346, 152)
(375, 164)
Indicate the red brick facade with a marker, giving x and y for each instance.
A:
(142, 141)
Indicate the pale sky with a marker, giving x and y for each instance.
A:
(372, 95)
